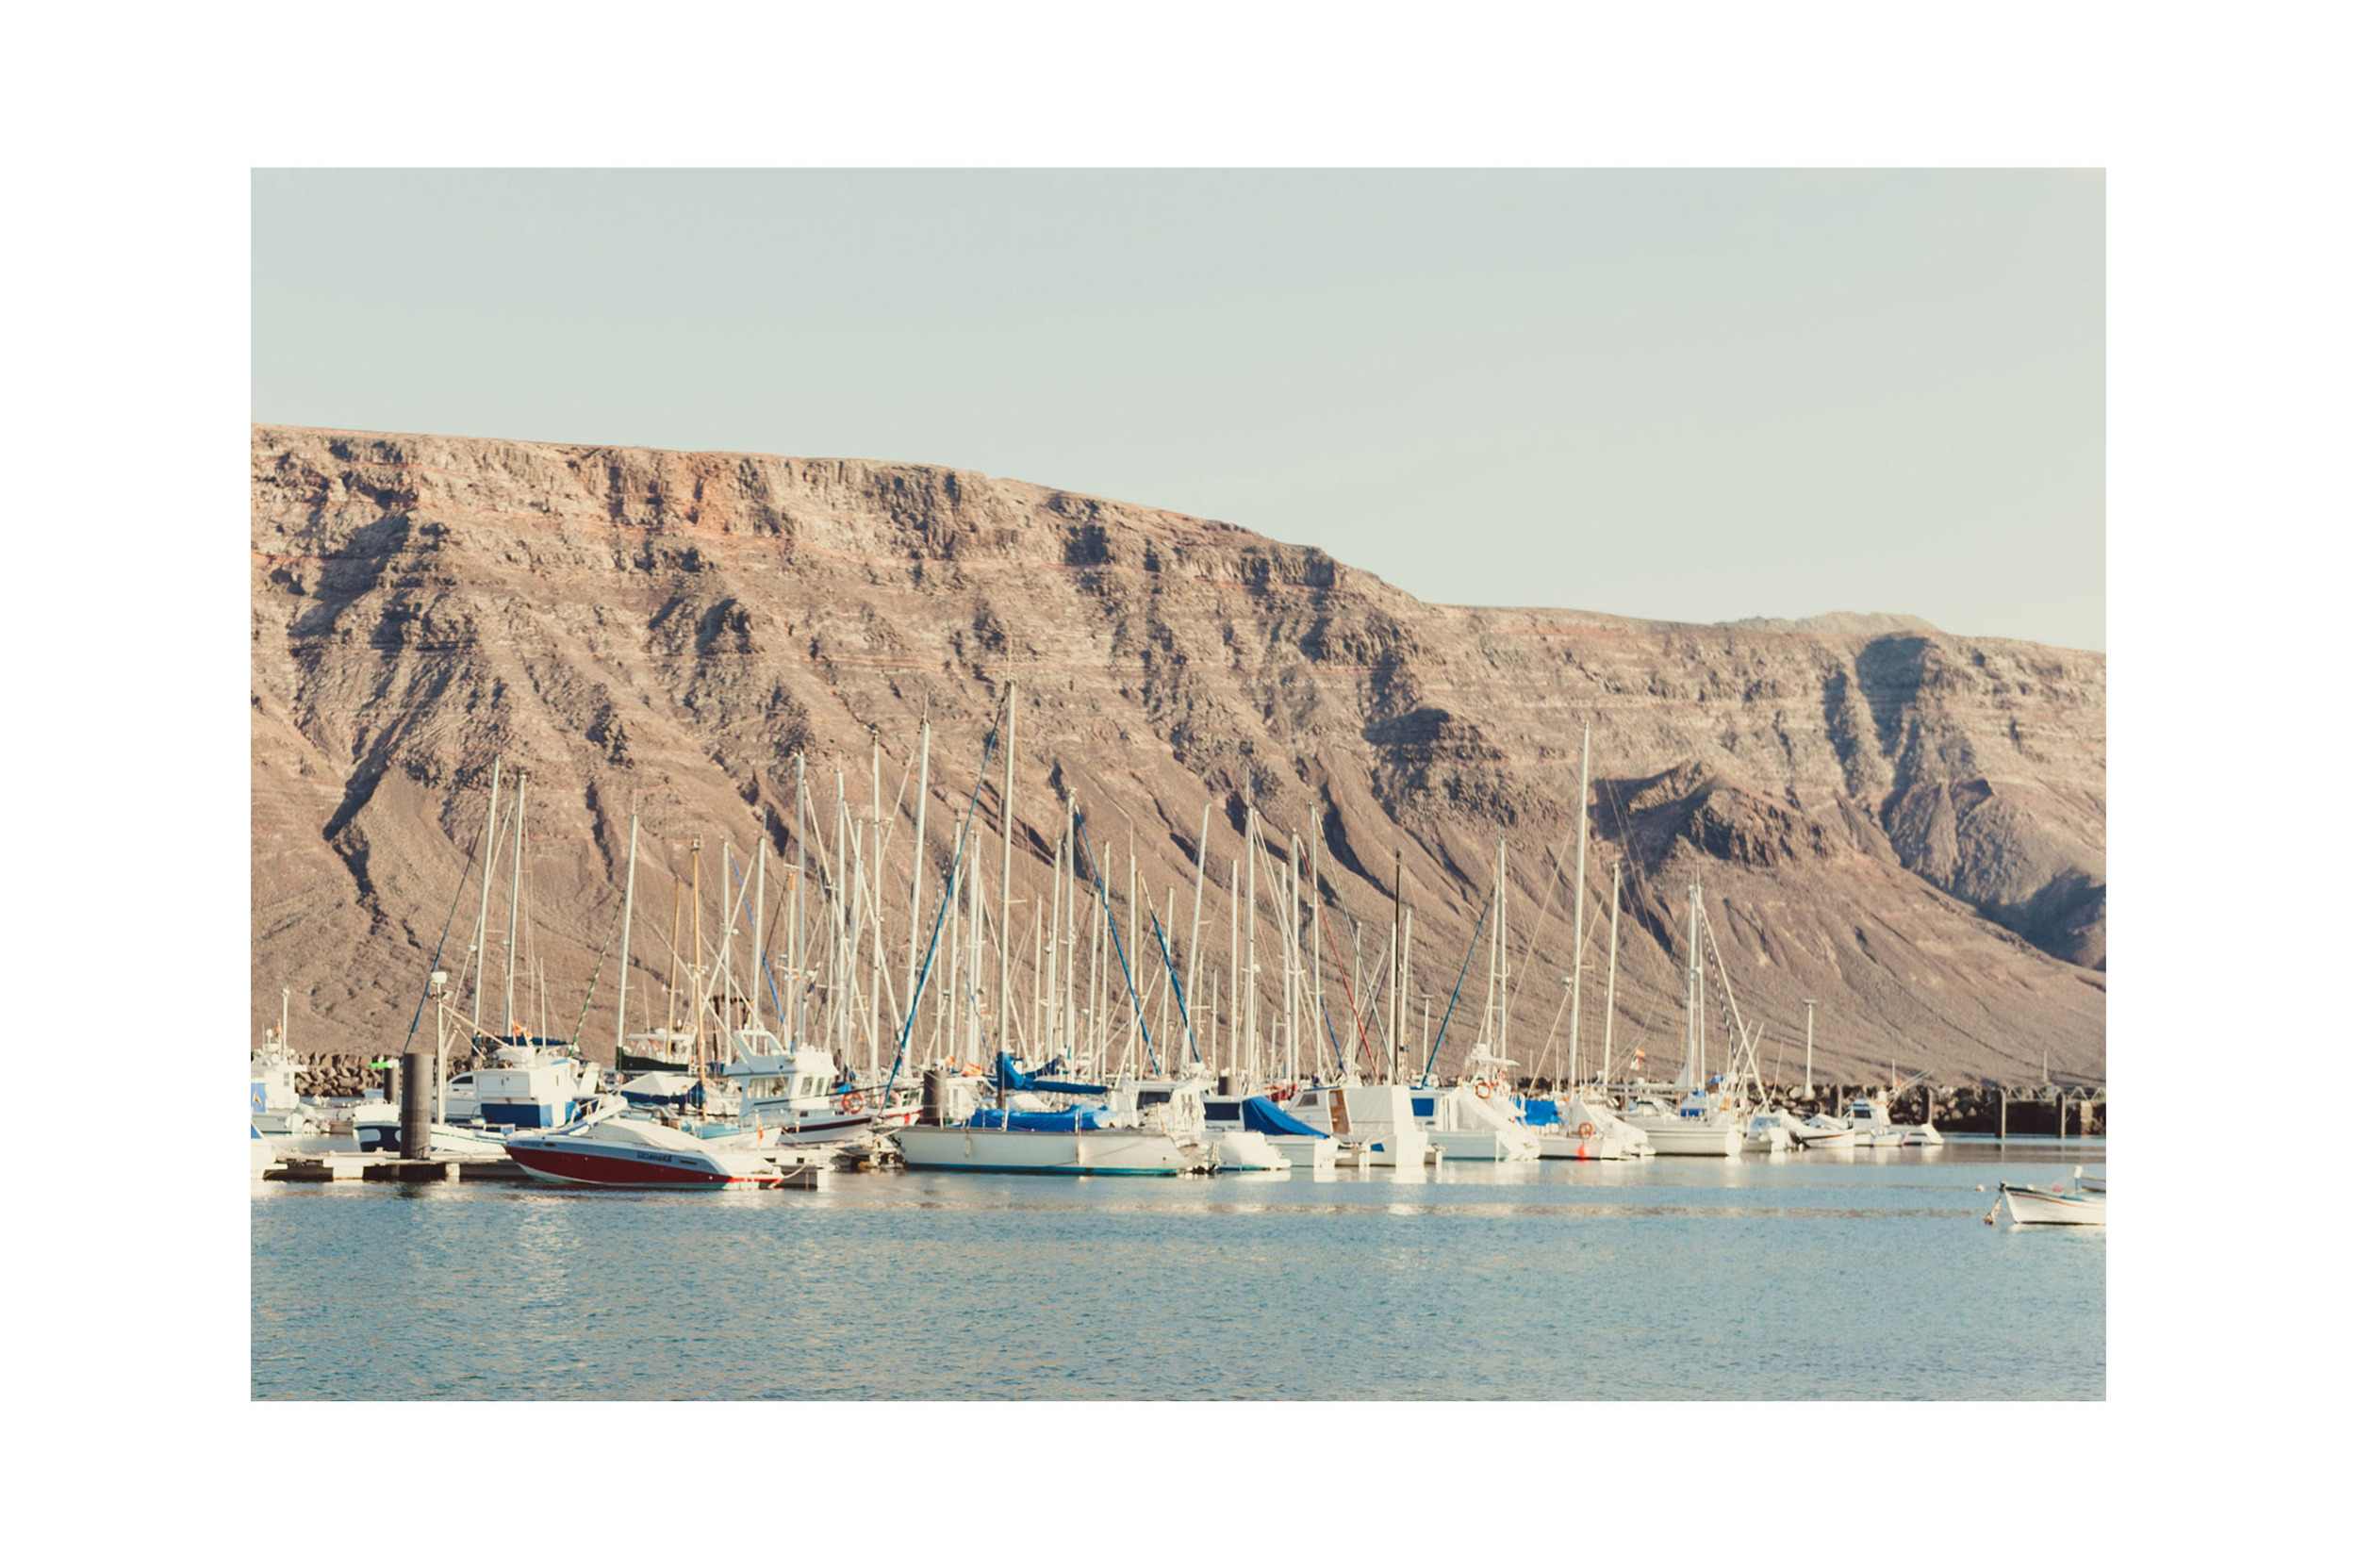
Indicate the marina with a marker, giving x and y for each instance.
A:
(1207, 1190)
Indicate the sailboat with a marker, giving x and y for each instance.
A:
(1702, 1123)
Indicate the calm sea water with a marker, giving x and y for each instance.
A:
(1867, 1276)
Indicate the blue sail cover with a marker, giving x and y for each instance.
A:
(1541, 1113)
(1012, 1078)
(1077, 1119)
(1261, 1115)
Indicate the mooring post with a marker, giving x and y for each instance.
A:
(2003, 1096)
(417, 1104)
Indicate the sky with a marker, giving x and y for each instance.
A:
(1684, 395)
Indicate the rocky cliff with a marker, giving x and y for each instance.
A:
(1905, 825)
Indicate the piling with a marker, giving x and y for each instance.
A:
(936, 1096)
(417, 1104)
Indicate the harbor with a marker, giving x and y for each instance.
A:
(792, 1043)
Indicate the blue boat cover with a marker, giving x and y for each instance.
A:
(1012, 1078)
(1541, 1113)
(1077, 1119)
(1261, 1115)
(1421, 1105)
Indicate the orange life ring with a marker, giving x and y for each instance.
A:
(1587, 1129)
(852, 1101)
(1482, 1089)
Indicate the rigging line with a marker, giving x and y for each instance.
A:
(1554, 880)
(1434, 1054)
(1172, 970)
(462, 876)
(590, 995)
(1382, 965)
(1357, 1021)
(981, 774)
(1081, 823)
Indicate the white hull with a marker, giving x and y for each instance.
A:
(1699, 1139)
(2030, 1206)
(1250, 1151)
(1927, 1136)
(1483, 1144)
(1554, 1146)
(1306, 1153)
(1113, 1151)
(1818, 1138)
(835, 1128)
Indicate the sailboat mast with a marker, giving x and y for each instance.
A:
(1696, 1069)
(483, 917)
(1293, 958)
(795, 943)
(1611, 975)
(696, 949)
(916, 855)
(873, 885)
(1503, 972)
(1317, 965)
(1808, 1055)
(1195, 927)
(1579, 914)
(630, 891)
(1391, 1008)
(1071, 938)
(1006, 872)
(1252, 942)
(1235, 991)
(514, 890)
(761, 904)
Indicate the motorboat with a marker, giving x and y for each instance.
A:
(1581, 1127)
(1694, 1129)
(527, 1084)
(1771, 1132)
(275, 1108)
(606, 1148)
(1379, 1119)
(1241, 1127)
(1473, 1121)
(1870, 1120)
(802, 1095)
(263, 1152)
(2077, 1204)
(1821, 1132)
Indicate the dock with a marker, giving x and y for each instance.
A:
(392, 1167)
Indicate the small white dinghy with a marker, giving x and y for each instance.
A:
(2076, 1204)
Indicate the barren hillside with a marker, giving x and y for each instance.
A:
(1905, 825)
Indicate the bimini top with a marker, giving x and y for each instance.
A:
(1077, 1119)
(1261, 1115)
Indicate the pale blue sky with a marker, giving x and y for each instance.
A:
(1689, 395)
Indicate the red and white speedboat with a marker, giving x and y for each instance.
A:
(605, 1149)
